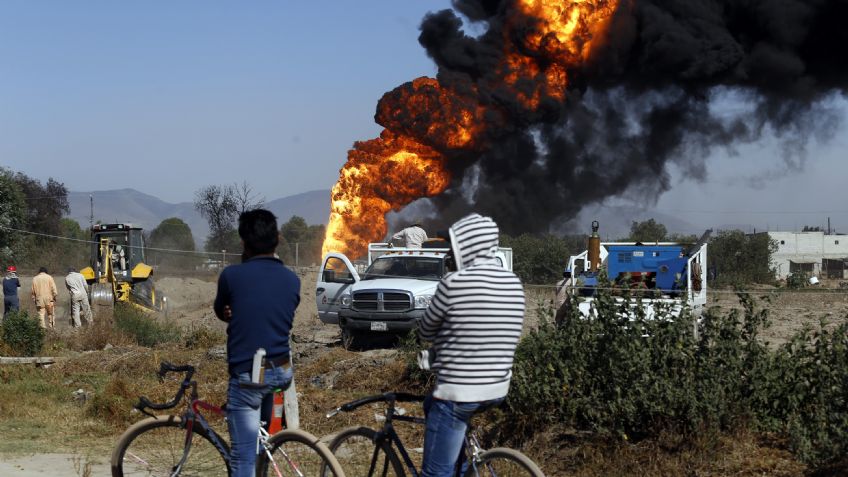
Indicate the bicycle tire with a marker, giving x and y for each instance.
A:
(153, 446)
(503, 462)
(355, 448)
(298, 453)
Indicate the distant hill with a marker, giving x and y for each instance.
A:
(147, 211)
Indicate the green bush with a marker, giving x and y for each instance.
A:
(143, 327)
(24, 335)
(635, 378)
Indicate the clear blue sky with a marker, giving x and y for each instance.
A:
(168, 96)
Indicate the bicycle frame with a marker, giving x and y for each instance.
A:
(471, 450)
(193, 417)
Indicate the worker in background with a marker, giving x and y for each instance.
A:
(78, 288)
(44, 295)
(412, 236)
(10, 290)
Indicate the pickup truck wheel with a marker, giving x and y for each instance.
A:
(349, 339)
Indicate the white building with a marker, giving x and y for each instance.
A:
(814, 253)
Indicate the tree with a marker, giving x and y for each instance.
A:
(218, 205)
(541, 259)
(171, 234)
(76, 252)
(300, 243)
(245, 198)
(12, 215)
(738, 258)
(647, 231)
(46, 204)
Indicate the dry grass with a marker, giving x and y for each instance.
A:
(40, 413)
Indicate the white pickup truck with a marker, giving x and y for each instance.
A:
(387, 297)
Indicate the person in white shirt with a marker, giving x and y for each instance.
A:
(412, 236)
(78, 288)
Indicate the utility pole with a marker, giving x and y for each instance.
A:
(91, 217)
(297, 254)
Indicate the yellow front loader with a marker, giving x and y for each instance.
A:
(117, 272)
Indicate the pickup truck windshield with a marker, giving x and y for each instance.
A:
(422, 268)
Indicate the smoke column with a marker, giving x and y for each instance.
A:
(560, 104)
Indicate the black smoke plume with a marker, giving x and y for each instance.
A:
(647, 98)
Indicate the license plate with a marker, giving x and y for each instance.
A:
(379, 326)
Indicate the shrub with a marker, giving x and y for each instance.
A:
(204, 337)
(24, 335)
(632, 377)
(143, 328)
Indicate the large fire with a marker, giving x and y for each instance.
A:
(426, 121)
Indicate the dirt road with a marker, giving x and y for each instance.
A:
(54, 465)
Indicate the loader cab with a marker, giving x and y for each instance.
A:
(121, 245)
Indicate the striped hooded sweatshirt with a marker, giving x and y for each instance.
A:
(475, 317)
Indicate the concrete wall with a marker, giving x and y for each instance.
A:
(806, 247)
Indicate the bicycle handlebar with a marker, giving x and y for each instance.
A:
(390, 398)
(165, 368)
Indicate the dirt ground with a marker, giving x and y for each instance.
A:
(190, 305)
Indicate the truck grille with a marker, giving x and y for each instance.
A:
(382, 301)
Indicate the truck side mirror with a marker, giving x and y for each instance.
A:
(329, 276)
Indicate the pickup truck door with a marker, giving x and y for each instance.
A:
(337, 274)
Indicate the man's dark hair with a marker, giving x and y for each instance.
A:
(42, 270)
(258, 229)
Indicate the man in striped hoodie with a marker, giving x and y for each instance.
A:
(474, 322)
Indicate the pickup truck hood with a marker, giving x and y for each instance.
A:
(416, 287)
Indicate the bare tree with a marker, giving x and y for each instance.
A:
(218, 205)
(245, 198)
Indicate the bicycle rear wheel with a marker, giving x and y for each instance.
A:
(502, 462)
(297, 453)
(359, 455)
(153, 446)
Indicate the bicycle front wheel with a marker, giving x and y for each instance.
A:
(359, 455)
(293, 452)
(502, 462)
(153, 447)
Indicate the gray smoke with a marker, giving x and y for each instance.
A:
(645, 100)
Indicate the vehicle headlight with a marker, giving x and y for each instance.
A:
(423, 301)
(344, 301)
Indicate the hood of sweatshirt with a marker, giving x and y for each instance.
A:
(474, 241)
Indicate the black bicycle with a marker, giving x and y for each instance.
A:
(186, 445)
(363, 451)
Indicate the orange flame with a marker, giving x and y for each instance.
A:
(424, 121)
(379, 175)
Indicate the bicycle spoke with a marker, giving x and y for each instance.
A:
(295, 459)
(157, 451)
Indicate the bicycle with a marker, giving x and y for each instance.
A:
(186, 445)
(365, 451)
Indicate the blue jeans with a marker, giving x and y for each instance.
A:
(10, 303)
(444, 436)
(245, 408)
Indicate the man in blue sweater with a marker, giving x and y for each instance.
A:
(257, 299)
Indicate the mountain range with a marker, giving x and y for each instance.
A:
(147, 211)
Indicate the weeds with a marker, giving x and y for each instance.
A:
(622, 375)
(22, 334)
(143, 328)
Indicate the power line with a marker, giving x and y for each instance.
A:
(154, 249)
